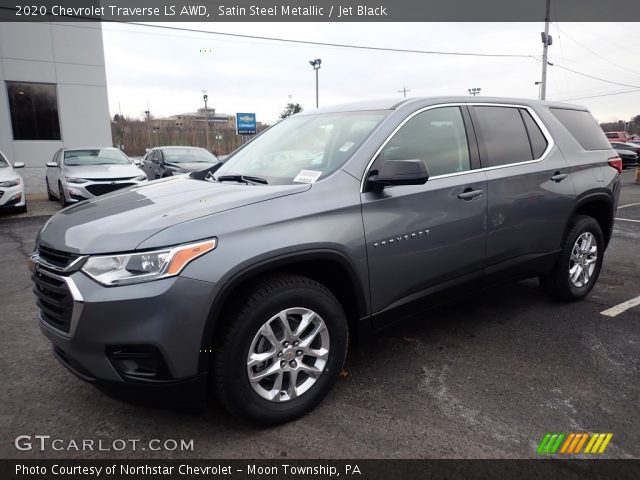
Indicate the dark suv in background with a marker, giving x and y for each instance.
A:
(250, 276)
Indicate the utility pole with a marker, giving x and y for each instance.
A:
(474, 91)
(404, 91)
(546, 41)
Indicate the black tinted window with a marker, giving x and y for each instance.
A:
(538, 141)
(583, 127)
(504, 135)
(34, 111)
(437, 136)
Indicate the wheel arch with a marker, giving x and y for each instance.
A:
(330, 267)
(599, 206)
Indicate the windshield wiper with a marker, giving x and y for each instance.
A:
(241, 178)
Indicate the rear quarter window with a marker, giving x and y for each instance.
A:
(583, 127)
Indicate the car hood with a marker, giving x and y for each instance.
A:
(189, 167)
(7, 173)
(122, 220)
(103, 171)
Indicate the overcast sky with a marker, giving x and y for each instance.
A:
(168, 70)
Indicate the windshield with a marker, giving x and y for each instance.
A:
(189, 155)
(3, 162)
(303, 149)
(98, 156)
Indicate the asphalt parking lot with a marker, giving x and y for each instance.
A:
(486, 377)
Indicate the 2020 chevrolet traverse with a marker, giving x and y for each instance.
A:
(249, 277)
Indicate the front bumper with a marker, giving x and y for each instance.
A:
(13, 196)
(76, 192)
(111, 326)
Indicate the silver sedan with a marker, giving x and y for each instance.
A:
(81, 173)
(12, 196)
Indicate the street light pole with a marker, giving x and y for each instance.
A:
(316, 66)
(206, 115)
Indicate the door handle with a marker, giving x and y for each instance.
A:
(558, 177)
(469, 194)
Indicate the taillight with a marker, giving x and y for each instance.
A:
(616, 162)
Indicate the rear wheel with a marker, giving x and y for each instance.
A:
(283, 350)
(577, 270)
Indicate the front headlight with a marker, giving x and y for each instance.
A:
(10, 183)
(140, 178)
(112, 270)
(75, 180)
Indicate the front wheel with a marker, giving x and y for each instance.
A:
(578, 267)
(63, 199)
(50, 195)
(283, 350)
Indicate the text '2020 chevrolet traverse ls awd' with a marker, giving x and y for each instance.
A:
(248, 278)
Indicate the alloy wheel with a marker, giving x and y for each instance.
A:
(288, 354)
(584, 256)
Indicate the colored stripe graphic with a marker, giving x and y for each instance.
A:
(573, 443)
(550, 443)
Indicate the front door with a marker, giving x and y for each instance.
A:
(422, 237)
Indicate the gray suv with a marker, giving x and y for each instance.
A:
(248, 278)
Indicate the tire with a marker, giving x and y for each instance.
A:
(50, 195)
(295, 296)
(22, 209)
(559, 283)
(63, 199)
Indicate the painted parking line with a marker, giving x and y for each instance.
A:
(629, 205)
(621, 307)
(627, 220)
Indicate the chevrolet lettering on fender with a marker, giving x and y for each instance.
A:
(248, 278)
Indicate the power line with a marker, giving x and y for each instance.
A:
(597, 54)
(592, 77)
(597, 96)
(311, 42)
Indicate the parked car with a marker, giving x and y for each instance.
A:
(250, 277)
(626, 146)
(12, 194)
(628, 152)
(76, 174)
(617, 136)
(628, 157)
(161, 162)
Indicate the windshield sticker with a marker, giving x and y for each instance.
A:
(307, 176)
(346, 146)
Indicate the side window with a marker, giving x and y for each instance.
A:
(504, 135)
(437, 136)
(583, 127)
(155, 156)
(536, 137)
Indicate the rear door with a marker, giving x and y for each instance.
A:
(419, 237)
(530, 194)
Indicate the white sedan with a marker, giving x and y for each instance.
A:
(12, 196)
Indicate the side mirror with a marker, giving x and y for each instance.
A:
(52, 165)
(399, 172)
(18, 165)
